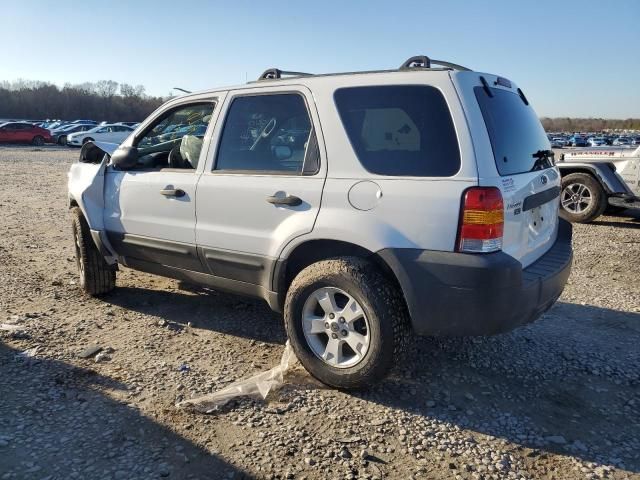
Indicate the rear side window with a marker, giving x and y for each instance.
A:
(400, 130)
(514, 129)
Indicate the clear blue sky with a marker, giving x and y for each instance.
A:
(573, 58)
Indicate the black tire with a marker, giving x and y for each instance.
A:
(598, 198)
(38, 141)
(382, 304)
(62, 140)
(96, 276)
(88, 139)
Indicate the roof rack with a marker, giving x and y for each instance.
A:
(419, 61)
(274, 73)
(422, 61)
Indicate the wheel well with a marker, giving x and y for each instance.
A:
(567, 171)
(72, 203)
(593, 173)
(316, 250)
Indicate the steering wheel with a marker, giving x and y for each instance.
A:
(175, 159)
(266, 131)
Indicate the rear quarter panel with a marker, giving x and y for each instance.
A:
(410, 212)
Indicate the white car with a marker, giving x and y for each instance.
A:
(621, 141)
(367, 207)
(596, 141)
(113, 133)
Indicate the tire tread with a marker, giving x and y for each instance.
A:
(99, 277)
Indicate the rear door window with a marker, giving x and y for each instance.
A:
(400, 130)
(270, 134)
(514, 129)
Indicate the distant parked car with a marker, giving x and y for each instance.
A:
(22, 132)
(85, 121)
(60, 135)
(578, 141)
(596, 141)
(620, 141)
(129, 124)
(558, 142)
(103, 133)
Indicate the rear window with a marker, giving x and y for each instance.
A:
(514, 129)
(400, 130)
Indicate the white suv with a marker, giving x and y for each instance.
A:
(367, 207)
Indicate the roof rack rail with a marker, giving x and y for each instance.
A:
(274, 73)
(422, 61)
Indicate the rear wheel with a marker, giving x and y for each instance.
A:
(96, 276)
(38, 141)
(582, 199)
(62, 140)
(346, 322)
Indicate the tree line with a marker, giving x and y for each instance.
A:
(103, 100)
(113, 101)
(588, 124)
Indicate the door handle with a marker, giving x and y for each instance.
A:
(289, 200)
(172, 192)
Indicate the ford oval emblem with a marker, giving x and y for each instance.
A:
(544, 179)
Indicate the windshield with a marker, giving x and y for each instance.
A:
(516, 134)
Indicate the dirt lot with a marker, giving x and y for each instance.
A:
(559, 399)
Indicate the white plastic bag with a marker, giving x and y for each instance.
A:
(8, 327)
(257, 386)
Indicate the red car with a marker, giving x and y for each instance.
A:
(20, 132)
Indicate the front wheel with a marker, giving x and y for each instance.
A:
(38, 141)
(582, 199)
(96, 276)
(346, 322)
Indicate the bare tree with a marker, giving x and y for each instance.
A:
(106, 88)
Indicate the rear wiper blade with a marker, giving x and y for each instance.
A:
(544, 159)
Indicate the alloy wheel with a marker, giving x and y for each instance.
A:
(576, 198)
(335, 327)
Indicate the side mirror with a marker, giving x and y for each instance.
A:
(282, 152)
(125, 158)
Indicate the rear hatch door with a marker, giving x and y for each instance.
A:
(514, 154)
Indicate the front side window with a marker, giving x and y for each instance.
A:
(400, 130)
(268, 133)
(175, 139)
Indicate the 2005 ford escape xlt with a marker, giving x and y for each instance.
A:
(367, 207)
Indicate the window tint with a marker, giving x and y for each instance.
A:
(175, 140)
(400, 130)
(514, 129)
(269, 133)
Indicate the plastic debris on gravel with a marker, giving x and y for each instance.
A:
(257, 386)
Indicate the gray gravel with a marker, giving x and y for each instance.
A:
(557, 399)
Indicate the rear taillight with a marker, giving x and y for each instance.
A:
(481, 221)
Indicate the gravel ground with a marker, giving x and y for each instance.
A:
(559, 399)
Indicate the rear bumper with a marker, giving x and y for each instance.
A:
(479, 294)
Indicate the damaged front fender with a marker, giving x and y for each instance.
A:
(86, 190)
